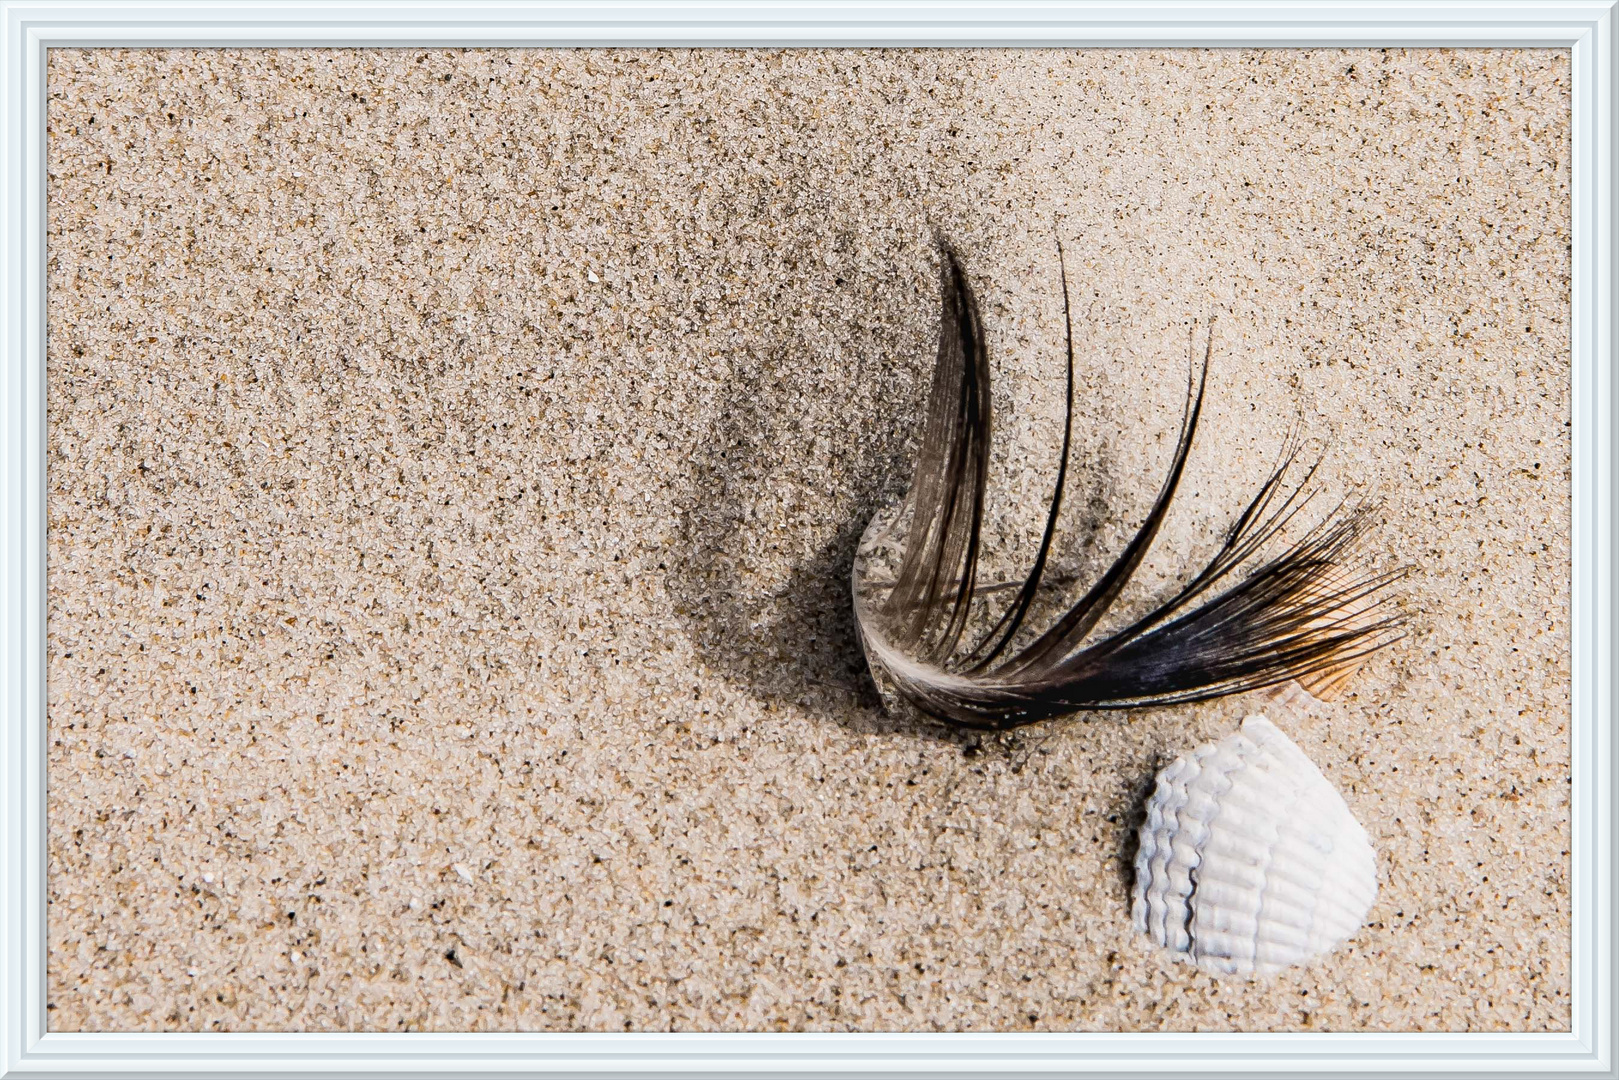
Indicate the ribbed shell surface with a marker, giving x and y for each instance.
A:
(1250, 860)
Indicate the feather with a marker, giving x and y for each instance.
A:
(1242, 622)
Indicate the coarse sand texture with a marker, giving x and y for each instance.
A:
(455, 460)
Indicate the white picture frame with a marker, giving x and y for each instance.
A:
(27, 1049)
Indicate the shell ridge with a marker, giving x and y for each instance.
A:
(1191, 911)
(1195, 798)
(1172, 798)
(1267, 892)
(1194, 929)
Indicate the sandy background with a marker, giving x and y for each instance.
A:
(455, 459)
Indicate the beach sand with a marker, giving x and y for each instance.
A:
(455, 458)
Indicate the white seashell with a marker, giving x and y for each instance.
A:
(1250, 860)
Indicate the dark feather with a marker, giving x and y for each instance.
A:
(1242, 622)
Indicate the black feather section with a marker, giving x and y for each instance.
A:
(1240, 623)
(940, 565)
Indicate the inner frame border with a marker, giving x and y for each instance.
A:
(27, 29)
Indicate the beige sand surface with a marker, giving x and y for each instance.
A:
(455, 459)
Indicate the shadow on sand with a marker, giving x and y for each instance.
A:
(763, 495)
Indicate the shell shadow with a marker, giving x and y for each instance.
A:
(1138, 784)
